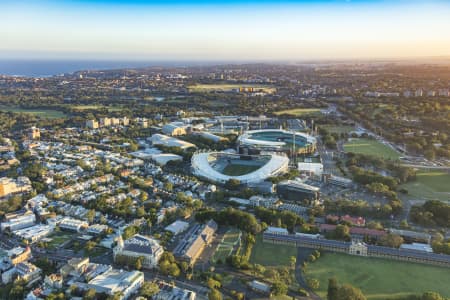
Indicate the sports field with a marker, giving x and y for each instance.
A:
(222, 252)
(42, 113)
(429, 185)
(230, 239)
(370, 147)
(298, 112)
(271, 255)
(237, 169)
(379, 279)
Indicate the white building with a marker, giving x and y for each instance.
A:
(73, 224)
(177, 227)
(117, 281)
(311, 168)
(417, 247)
(140, 246)
(172, 292)
(92, 124)
(34, 233)
(167, 141)
(174, 129)
(21, 221)
(277, 230)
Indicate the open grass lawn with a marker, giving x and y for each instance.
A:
(379, 279)
(58, 238)
(271, 255)
(299, 111)
(237, 170)
(42, 113)
(97, 107)
(429, 185)
(370, 147)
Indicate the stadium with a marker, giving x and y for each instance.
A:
(221, 167)
(276, 140)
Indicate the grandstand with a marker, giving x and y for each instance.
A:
(221, 167)
(276, 140)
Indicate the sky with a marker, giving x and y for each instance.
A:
(197, 30)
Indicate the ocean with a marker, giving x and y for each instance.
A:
(46, 68)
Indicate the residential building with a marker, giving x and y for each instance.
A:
(92, 124)
(10, 186)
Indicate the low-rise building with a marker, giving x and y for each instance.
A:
(119, 282)
(177, 227)
(171, 292)
(297, 191)
(195, 241)
(174, 129)
(73, 224)
(139, 246)
(19, 220)
(34, 233)
(10, 186)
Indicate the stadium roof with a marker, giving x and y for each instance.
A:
(202, 167)
(248, 139)
(161, 139)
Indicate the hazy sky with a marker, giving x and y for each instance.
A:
(224, 30)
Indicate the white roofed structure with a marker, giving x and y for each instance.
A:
(202, 165)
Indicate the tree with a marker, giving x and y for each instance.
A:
(348, 292)
(90, 294)
(342, 232)
(391, 240)
(174, 270)
(232, 184)
(212, 283)
(90, 215)
(431, 296)
(138, 264)
(168, 186)
(332, 289)
(279, 288)
(259, 269)
(214, 295)
(149, 289)
(292, 261)
(313, 283)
